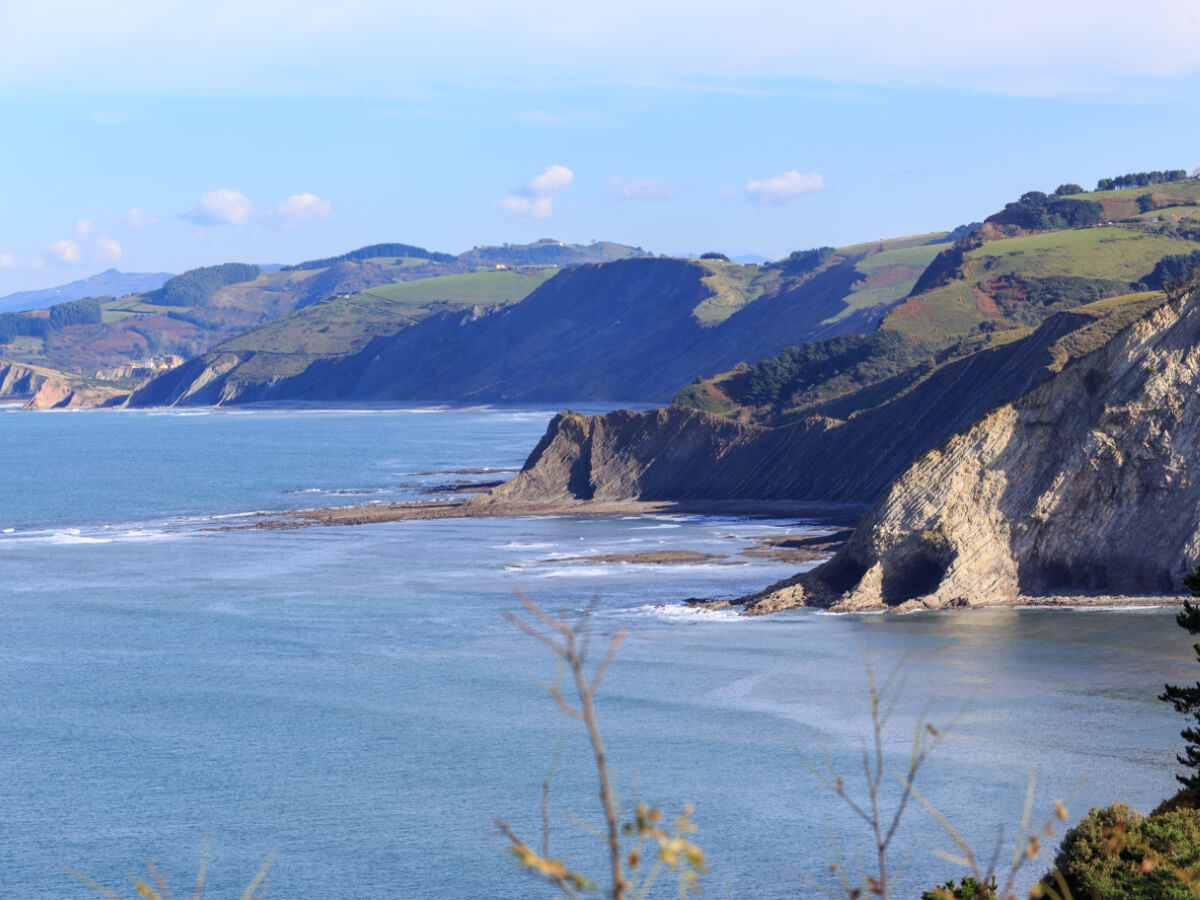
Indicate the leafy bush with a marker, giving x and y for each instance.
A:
(195, 288)
(1172, 268)
(77, 312)
(1116, 854)
(969, 889)
(775, 381)
(1034, 211)
(714, 255)
(1069, 188)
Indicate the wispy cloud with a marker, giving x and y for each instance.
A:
(299, 209)
(652, 189)
(220, 207)
(108, 249)
(137, 219)
(535, 198)
(64, 251)
(7, 261)
(782, 188)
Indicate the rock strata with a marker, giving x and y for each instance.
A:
(1086, 485)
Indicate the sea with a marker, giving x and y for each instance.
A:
(352, 704)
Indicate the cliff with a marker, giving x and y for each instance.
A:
(678, 453)
(622, 331)
(1086, 484)
(18, 381)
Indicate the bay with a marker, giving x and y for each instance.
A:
(352, 698)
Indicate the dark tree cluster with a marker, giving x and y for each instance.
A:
(1064, 190)
(1036, 211)
(804, 261)
(773, 382)
(1141, 179)
(195, 288)
(76, 312)
(1171, 269)
(960, 232)
(713, 255)
(14, 325)
(374, 251)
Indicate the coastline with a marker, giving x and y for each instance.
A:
(838, 518)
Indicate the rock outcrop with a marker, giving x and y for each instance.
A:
(18, 382)
(1089, 483)
(678, 454)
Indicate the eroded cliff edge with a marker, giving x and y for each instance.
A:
(1088, 483)
(683, 454)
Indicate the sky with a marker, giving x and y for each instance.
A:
(154, 136)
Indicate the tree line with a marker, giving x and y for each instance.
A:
(196, 287)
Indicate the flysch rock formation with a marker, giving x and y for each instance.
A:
(1089, 483)
(683, 454)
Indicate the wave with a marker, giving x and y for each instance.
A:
(678, 612)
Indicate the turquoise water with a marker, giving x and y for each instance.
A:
(352, 698)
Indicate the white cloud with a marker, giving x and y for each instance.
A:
(535, 198)
(138, 219)
(107, 248)
(7, 261)
(783, 188)
(83, 227)
(221, 207)
(642, 188)
(64, 251)
(299, 209)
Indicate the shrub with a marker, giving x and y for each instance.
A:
(969, 889)
(1116, 854)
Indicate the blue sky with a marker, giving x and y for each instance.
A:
(146, 137)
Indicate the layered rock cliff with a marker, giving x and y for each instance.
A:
(1087, 483)
(676, 454)
(621, 331)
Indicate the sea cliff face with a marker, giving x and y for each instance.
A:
(679, 454)
(1087, 483)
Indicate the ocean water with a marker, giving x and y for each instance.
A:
(353, 700)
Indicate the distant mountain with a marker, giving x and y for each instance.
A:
(108, 283)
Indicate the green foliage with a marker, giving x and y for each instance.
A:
(374, 251)
(1141, 179)
(1037, 212)
(195, 288)
(1064, 190)
(1116, 854)
(1172, 268)
(968, 889)
(1146, 202)
(804, 261)
(1186, 699)
(76, 312)
(776, 381)
(14, 325)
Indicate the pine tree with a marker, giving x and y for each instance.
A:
(1187, 699)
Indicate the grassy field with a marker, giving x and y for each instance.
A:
(1179, 190)
(901, 243)
(347, 324)
(1114, 252)
(473, 289)
(733, 286)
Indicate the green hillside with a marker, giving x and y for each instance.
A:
(995, 284)
(345, 324)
